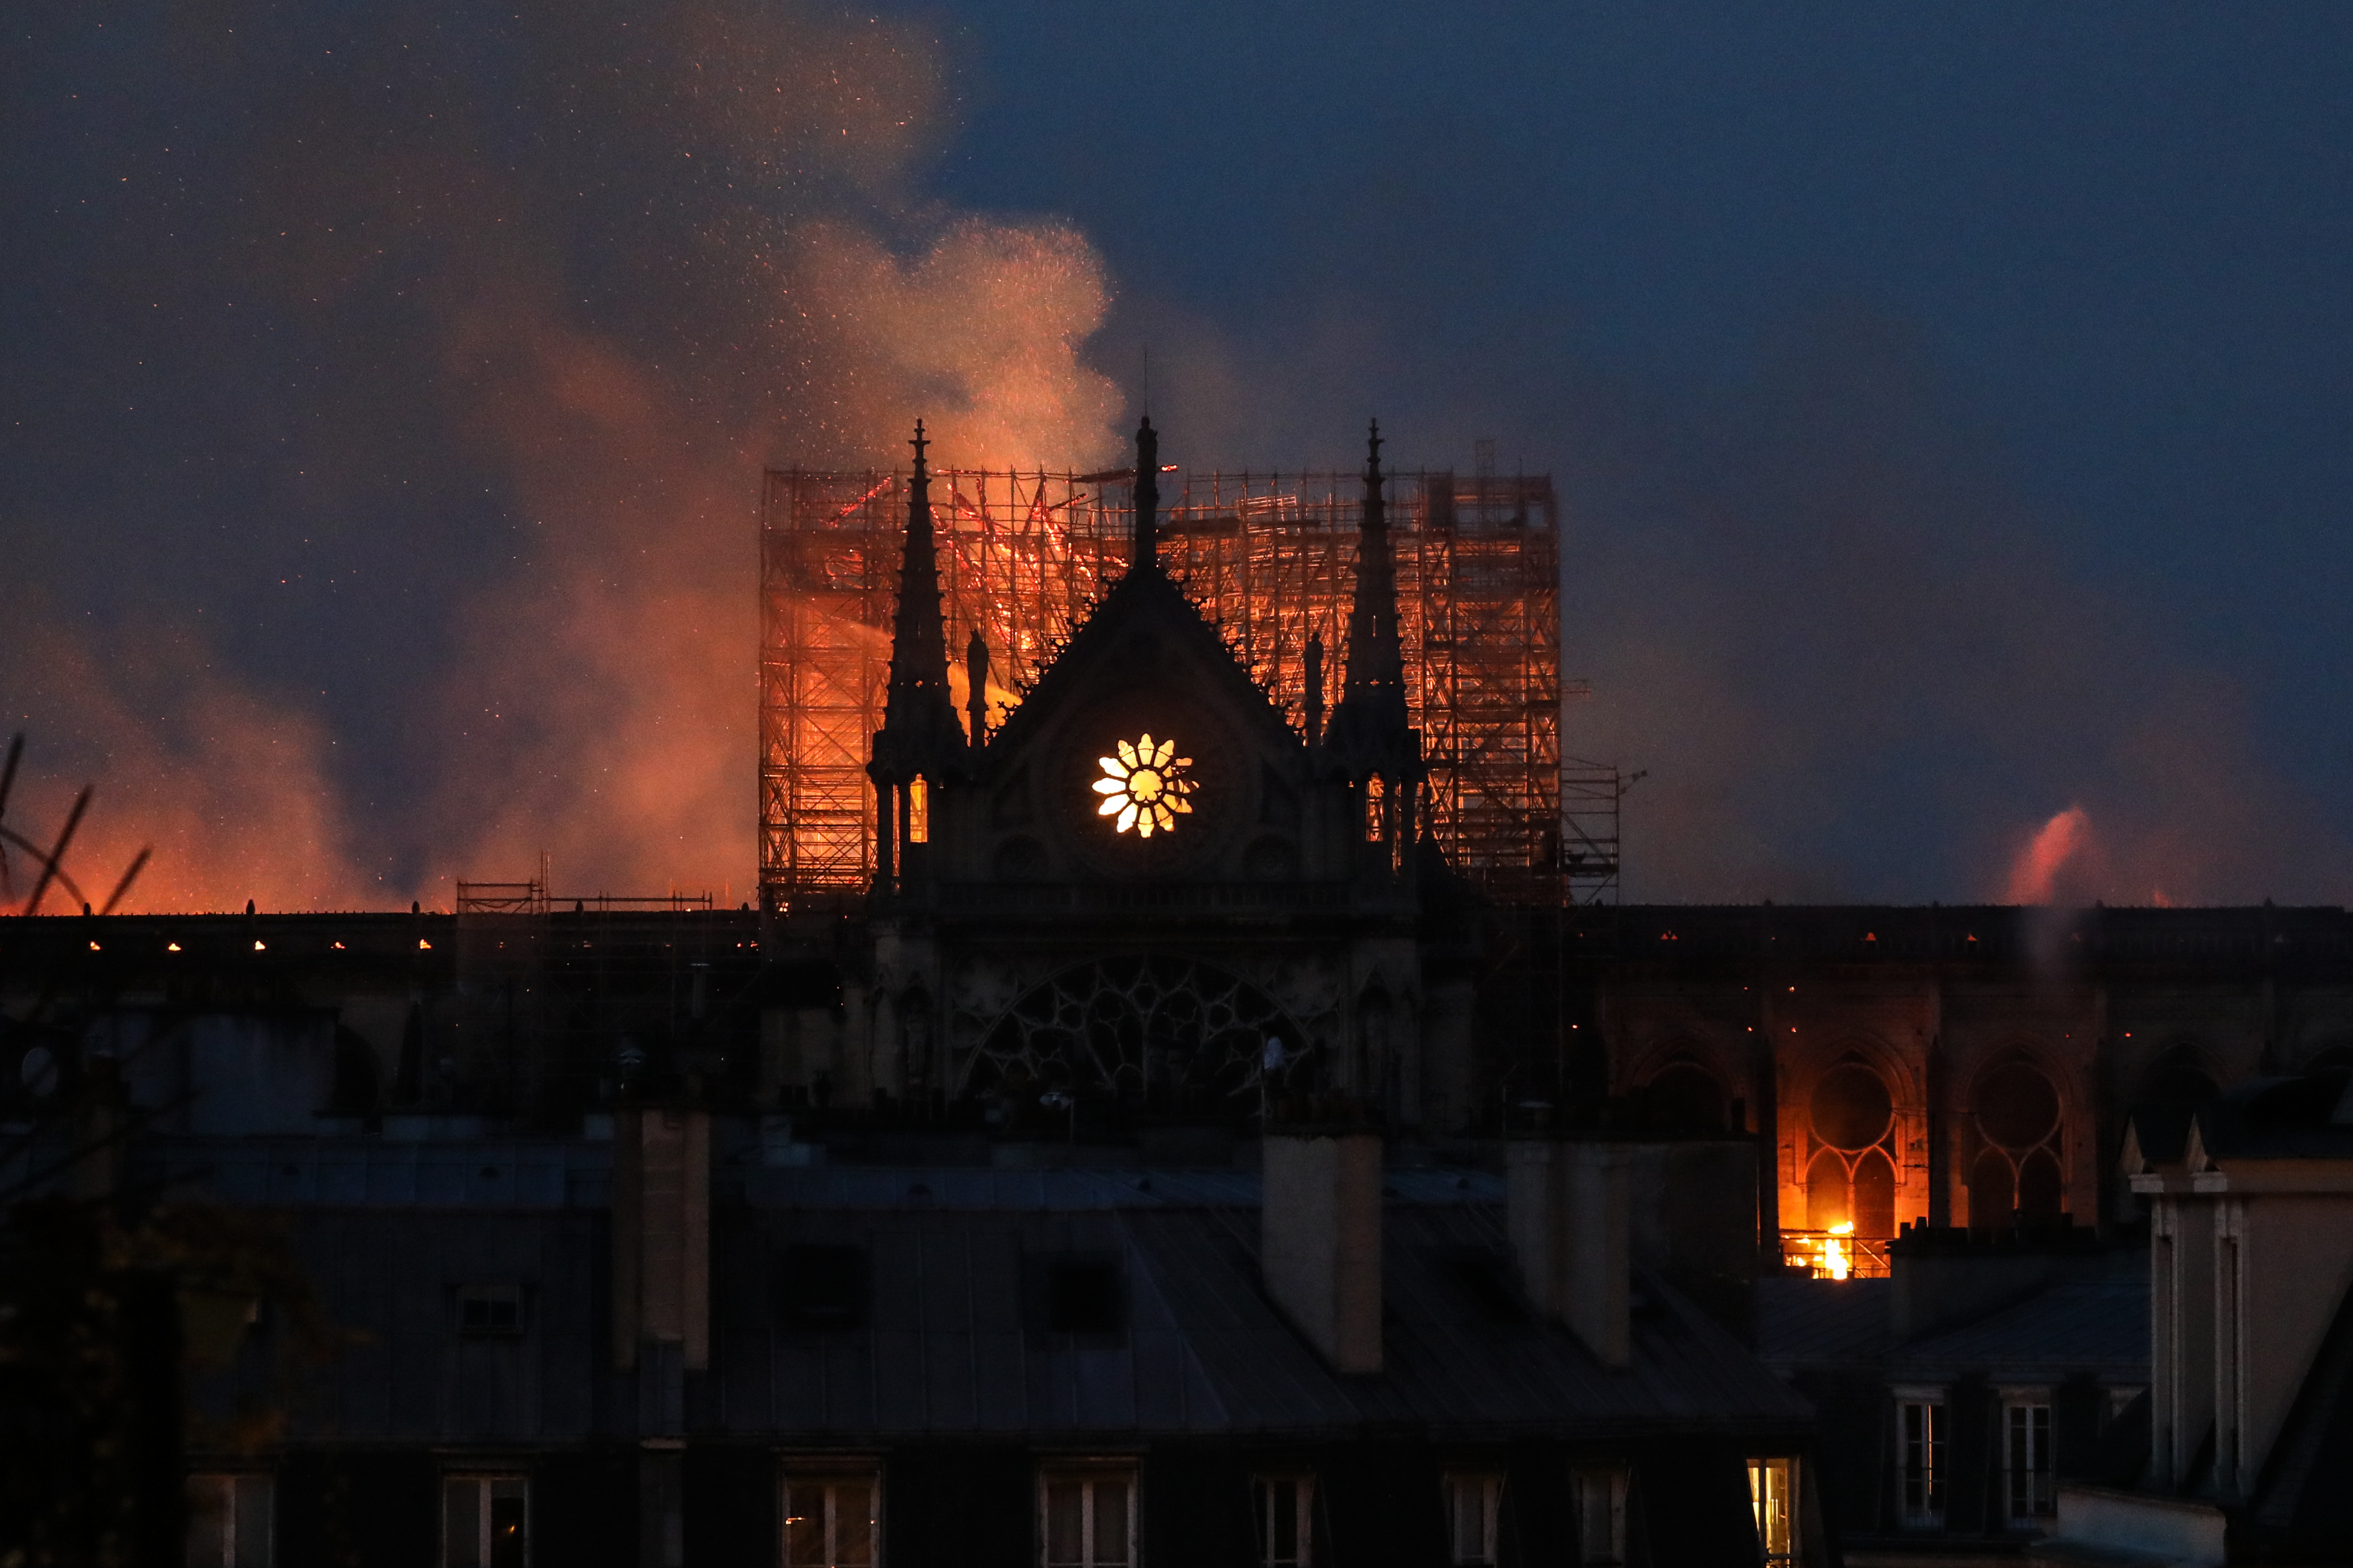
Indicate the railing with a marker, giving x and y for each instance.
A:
(1835, 1254)
(533, 898)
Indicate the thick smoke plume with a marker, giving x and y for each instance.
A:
(231, 790)
(388, 385)
(573, 273)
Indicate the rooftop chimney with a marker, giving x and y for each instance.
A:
(1320, 1246)
(1566, 1209)
(661, 1233)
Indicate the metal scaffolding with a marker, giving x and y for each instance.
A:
(1269, 558)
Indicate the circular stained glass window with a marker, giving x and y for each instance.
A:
(1145, 786)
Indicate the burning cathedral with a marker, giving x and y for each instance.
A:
(1190, 1093)
(1148, 892)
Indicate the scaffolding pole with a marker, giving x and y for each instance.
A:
(1269, 558)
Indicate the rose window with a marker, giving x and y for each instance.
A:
(1145, 786)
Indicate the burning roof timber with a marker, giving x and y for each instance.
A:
(1270, 559)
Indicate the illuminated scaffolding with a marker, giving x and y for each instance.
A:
(1270, 559)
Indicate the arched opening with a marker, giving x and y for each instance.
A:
(1993, 1193)
(2040, 1195)
(919, 810)
(1830, 1198)
(2020, 1172)
(1874, 1194)
(1851, 1180)
(1684, 1097)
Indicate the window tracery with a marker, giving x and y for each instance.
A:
(1145, 1028)
(1851, 1181)
(2019, 1171)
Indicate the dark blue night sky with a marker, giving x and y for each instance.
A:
(1950, 400)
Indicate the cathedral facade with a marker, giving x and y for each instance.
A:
(1146, 893)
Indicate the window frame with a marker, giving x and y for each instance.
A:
(1923, 1470)
(235, 1490)
(1265, 1499)
(1599, 1490)
(486, 1481)
(1791, 1551)
(489, 1293)
(829, 1473)
(1091, 1475)
(2032, 1481)
(1457, 1482)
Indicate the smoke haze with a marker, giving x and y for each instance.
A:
(552, 286)
(389, 387)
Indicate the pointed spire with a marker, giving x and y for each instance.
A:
(1147, 497)
(920, 733)
(1371, 715)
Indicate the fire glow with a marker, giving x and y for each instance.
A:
(2061, 843)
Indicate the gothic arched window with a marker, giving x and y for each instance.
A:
(2019, 1171)
(1851, 1179)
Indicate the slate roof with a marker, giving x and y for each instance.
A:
(2069, 1326)
(947, 1348)
(301, 1172)
(982, 1187)
(1808, 1321)
(953, 1342)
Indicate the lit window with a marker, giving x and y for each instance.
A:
(490, 1308)
(1087, 1518)
(485, 1521)
(1600, 1517)
(1145, 786)
(1374, 798)
(2026, 1457)
(1474, 1504)
(1286, 1515)
(919, 812)
(1920, 1458)
(229, 1522)
(1771, 1482)
(832, 1519)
